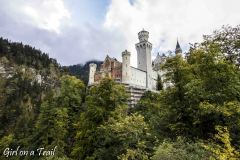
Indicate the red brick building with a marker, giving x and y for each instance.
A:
(110, 67)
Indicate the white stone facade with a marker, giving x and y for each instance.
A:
(138, 78)
(126, 68)
(92, 71)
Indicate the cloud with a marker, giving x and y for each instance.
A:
(45, 25)
(74, 45)
(80, 44)
(45, 14)
(167, 20)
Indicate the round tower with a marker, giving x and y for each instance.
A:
(126, 72)
(144, 56)
(92, 71)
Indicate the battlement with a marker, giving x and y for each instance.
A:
(143, 35)
(126, 53)
(92, 65)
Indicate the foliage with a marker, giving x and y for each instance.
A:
(205, 78)
(159, 83)
(25, 55)
(19, 107)
(26, 76)
(6, 142)
(228, 40)
(100, 101)
(57, 113)
(154, 114)
(122, 137)
(180, 149)
(224, 150)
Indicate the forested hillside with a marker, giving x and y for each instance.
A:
(25, 55)
(196, 118)
(26, 76)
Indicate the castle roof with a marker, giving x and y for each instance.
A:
(178, 48)
(159, 59)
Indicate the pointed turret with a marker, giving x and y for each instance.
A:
(178, 49)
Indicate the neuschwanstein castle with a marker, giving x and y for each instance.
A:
(136, 80)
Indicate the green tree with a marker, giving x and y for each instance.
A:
(216, 84)
(71, 97)
(179, 150)
(159, 83)
(123, 136)
(101, 100)
(206, 76)
(221, 148)
(155, 115)
(6, 142)
(51, 127)
(54, 121)
(228, 40)
(173, 99)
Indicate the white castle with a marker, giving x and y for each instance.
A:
(137, 80)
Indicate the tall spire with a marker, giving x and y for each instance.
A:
(178, 49)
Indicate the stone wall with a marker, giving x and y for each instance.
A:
(138, 77)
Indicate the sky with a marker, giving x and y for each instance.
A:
(75, 31)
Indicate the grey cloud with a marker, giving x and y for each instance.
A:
(73, 45)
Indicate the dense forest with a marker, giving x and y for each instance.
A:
(26, 76)
(195, 118)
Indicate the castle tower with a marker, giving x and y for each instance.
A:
(178, 49)
(92, 71)
(144, 56)
(126, 72)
